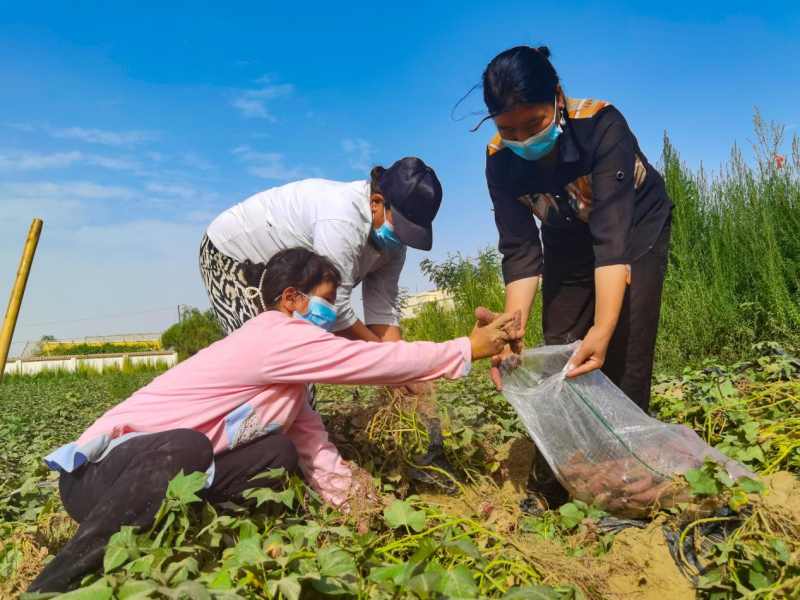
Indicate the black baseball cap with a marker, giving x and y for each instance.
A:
(414, 195)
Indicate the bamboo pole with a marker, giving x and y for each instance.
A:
(10, 322)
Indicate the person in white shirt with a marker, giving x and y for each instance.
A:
(362, 226)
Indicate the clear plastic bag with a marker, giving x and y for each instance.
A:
(603, 448)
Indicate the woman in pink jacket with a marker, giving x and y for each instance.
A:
(237, 409)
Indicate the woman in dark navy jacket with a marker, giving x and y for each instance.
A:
(604, 217)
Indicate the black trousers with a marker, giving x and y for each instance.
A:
(128, 486)
(568, 314)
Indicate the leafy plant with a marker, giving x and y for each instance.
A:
(196, 330)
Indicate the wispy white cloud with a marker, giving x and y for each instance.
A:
(271, 165)
(117, 164)
(191, 159)
(254, 103)
(31, 161)
(107, 137)
(359, 154)
(171, 190)
(22, 126)
(90, 135)
(35, 161)
(64, 190)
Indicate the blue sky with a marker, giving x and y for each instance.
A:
(128, 129)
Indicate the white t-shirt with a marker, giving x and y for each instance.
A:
(333, 219)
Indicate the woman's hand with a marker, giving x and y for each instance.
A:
(515, 331)
(592, 353)
(510, 357)
(489, 337)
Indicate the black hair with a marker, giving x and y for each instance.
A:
(519, 75)
(375, 184)
(300, 268)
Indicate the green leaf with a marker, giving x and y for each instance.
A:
(728, 389)
(751, 486)
(571, 515)
(271, 474)
(750, 431)
(220, 581)
(121, 547)
(290, 587)
(722, 476)
(533, 592)
(749, 454)
(131, 589)
(250, 552)
(334, 561)
(427, 547)
(94, 592)
(425, 584)
(701, 482)
(379, 574)
(143, 564)
(400, 514)
(737, 500)
(180, 571)
(458, 583)
(757, 580)
(334, 586)
(779, 546)
(263, 495)
(183, 487)
(189, 590)
(463, 546)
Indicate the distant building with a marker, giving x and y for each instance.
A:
(147, 341)
(412, 304)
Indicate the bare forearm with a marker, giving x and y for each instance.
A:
(387, 333)
(609, 284)
(520, 295)
(358, 331)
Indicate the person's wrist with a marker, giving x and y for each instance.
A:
(604, 330)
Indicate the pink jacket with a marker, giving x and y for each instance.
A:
(255, 377)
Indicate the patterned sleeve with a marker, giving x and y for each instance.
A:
(519, 236)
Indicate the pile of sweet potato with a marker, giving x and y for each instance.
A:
(626, 487)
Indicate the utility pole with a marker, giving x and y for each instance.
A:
(14, 303)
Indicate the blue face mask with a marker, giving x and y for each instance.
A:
(540, 144)
(320, 312)
(385, 236)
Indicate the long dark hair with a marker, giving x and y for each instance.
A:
(519, 75)
(300, 268)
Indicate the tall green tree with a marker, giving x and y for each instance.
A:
(197, 330)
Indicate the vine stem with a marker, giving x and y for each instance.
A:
(695, 524)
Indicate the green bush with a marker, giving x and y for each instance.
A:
(472, 282)
(196, 330)
(734, 272)
(105, 348)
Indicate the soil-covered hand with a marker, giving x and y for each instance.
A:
(490, 338)
(509, 356)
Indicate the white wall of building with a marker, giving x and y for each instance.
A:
(99, 362)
